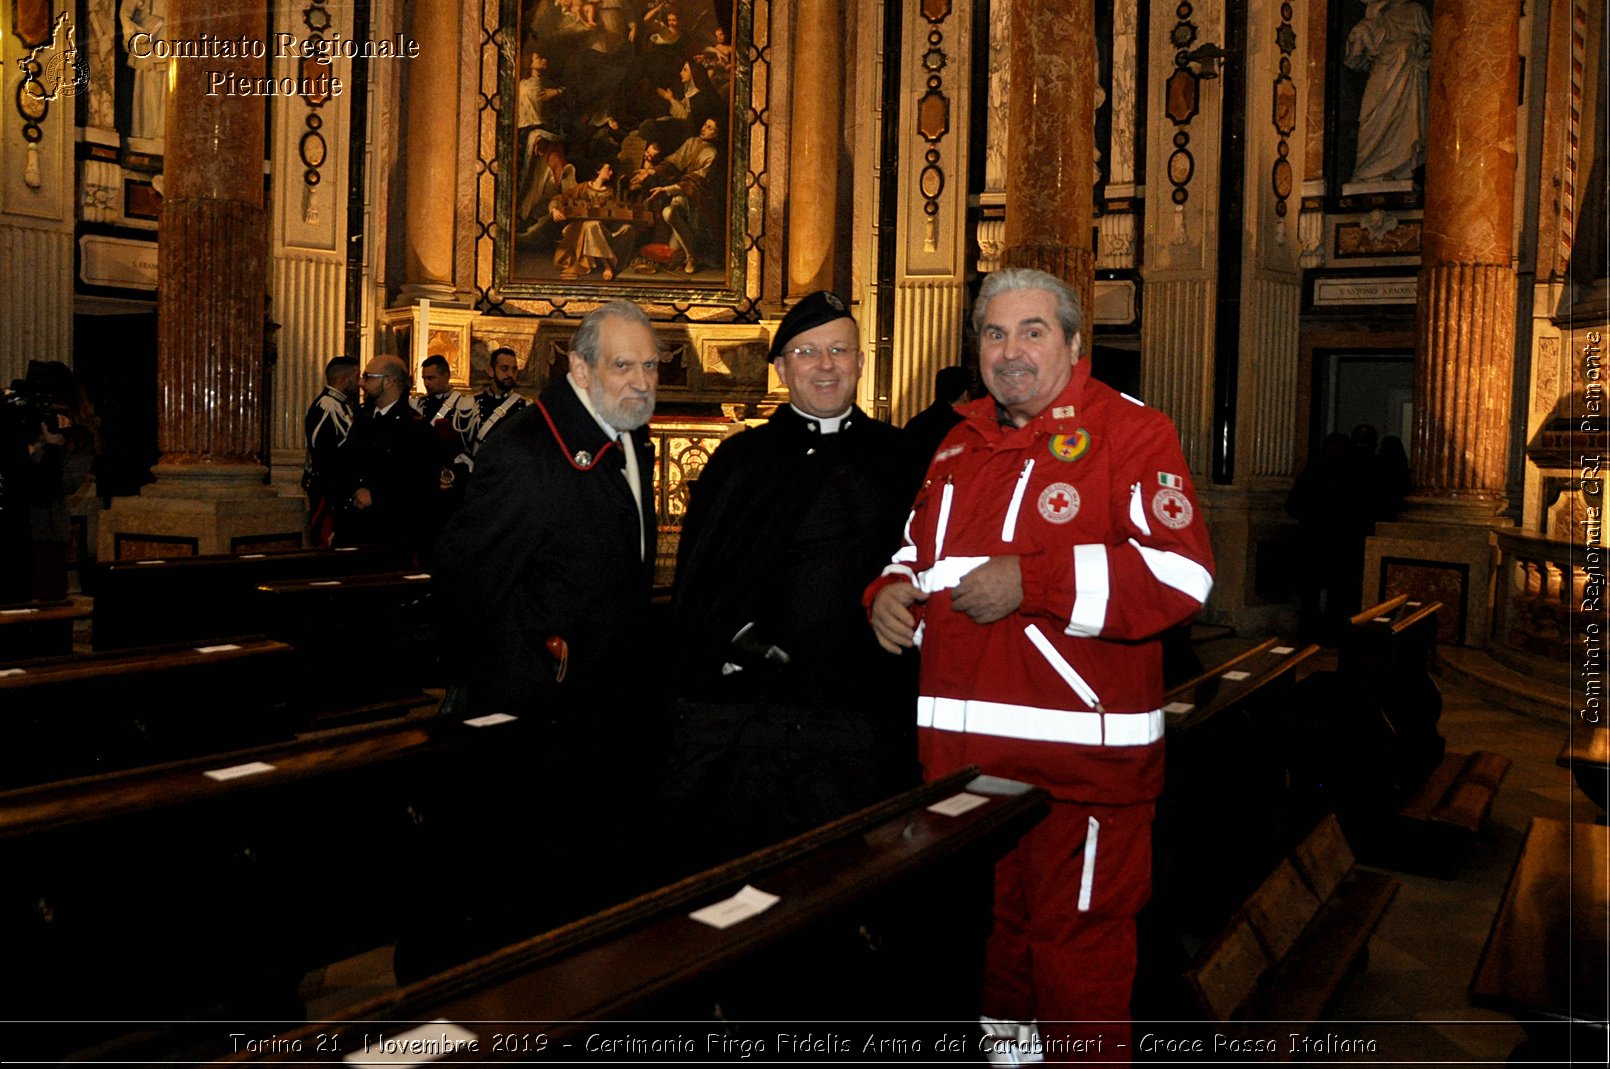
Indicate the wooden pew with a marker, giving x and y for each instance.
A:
(183, 599)
(209, 887)
(388, 612)
(1226, 814)
(1283, 955)
(77, 715)
(1545, 958)
(1391, 649)
(38, 629)
(1370, 751)
(650, 960)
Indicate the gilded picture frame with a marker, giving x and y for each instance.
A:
(622, 150)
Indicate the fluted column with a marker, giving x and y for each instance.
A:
(1051, 152)
(816, 122)
(1466, 309)
(432, 194)
(212, 272)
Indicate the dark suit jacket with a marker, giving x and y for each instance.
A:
(394, 457)
(546, 546)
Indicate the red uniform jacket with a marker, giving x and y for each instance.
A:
(1093, 495)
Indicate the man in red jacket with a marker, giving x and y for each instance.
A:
(1055, 539)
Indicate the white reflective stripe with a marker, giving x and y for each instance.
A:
(1087, 877)
(916, 636)
(906, 554)
(1009, 528)
(1132, 729)
(1090, 590)
(947, 573)
(944, 520)
(1039, 725)
(1137, 510)
(1063, 668)
(1180, 572)
(901, 570)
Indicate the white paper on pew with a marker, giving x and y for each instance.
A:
(225, 648)
(253, 556)
(326, 582)
(419, 575)
(12, 672)
(1411, 604)
(1236, 676)
(1178, 707)
(489, 719)
(957, 804)
(346, 549)
(1381, 620)
(237, 771)
(749, 902)
(1283, 650)
(427, 1043)
(16, 612)
(150, 562)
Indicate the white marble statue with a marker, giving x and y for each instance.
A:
(1393, 43)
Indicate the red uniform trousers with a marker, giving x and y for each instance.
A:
(1062, 950)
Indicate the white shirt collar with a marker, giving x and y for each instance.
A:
(823, 424)
(382, 411)
(587, 403)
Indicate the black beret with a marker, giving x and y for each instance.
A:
(814, 310)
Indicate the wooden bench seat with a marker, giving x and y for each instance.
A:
(1281, 958)
(77, 715)
(212, 885)
(39, 628)
(183, 599)
(1587, 754)
(650, 960)
(1226, 734)
(1545, 960)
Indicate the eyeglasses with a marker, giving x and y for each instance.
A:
(807, 352)
(374, 375)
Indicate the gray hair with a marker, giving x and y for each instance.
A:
(584, 342)
(1069, 315)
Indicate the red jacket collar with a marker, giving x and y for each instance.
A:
(1058, 417)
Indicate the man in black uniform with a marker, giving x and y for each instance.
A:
(391, 465)
(499, 399)
(543, 586)
(790, 716)
(929, 427)
(325, 429)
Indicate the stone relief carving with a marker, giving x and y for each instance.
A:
(1000, 40)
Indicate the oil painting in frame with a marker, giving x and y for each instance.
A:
(622, 149)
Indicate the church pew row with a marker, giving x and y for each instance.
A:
(38, 629)
(1373, 753)
(81, 714)
(210, 886)
(879, 916)
(1284, 954)
(185, 599)
(1227, 813)
(327, 619)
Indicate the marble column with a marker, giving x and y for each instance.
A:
(432, 193)
(816, 123)
(212, 276)
(1443, 548)
(209, 496)
(1466, 311)
(1051, 151)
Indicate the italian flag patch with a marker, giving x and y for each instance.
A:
(1173, 481)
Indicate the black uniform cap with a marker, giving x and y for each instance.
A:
(816, 309)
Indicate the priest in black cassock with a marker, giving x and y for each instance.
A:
(790, 715)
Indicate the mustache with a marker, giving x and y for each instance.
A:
(1008, 367)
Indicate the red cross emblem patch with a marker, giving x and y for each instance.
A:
(1172, 507)
(1059, 503)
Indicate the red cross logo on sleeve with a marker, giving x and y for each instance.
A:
(1172, 507)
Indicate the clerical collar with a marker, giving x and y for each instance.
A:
(587, 403)
(382, 411)
(823, 424)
